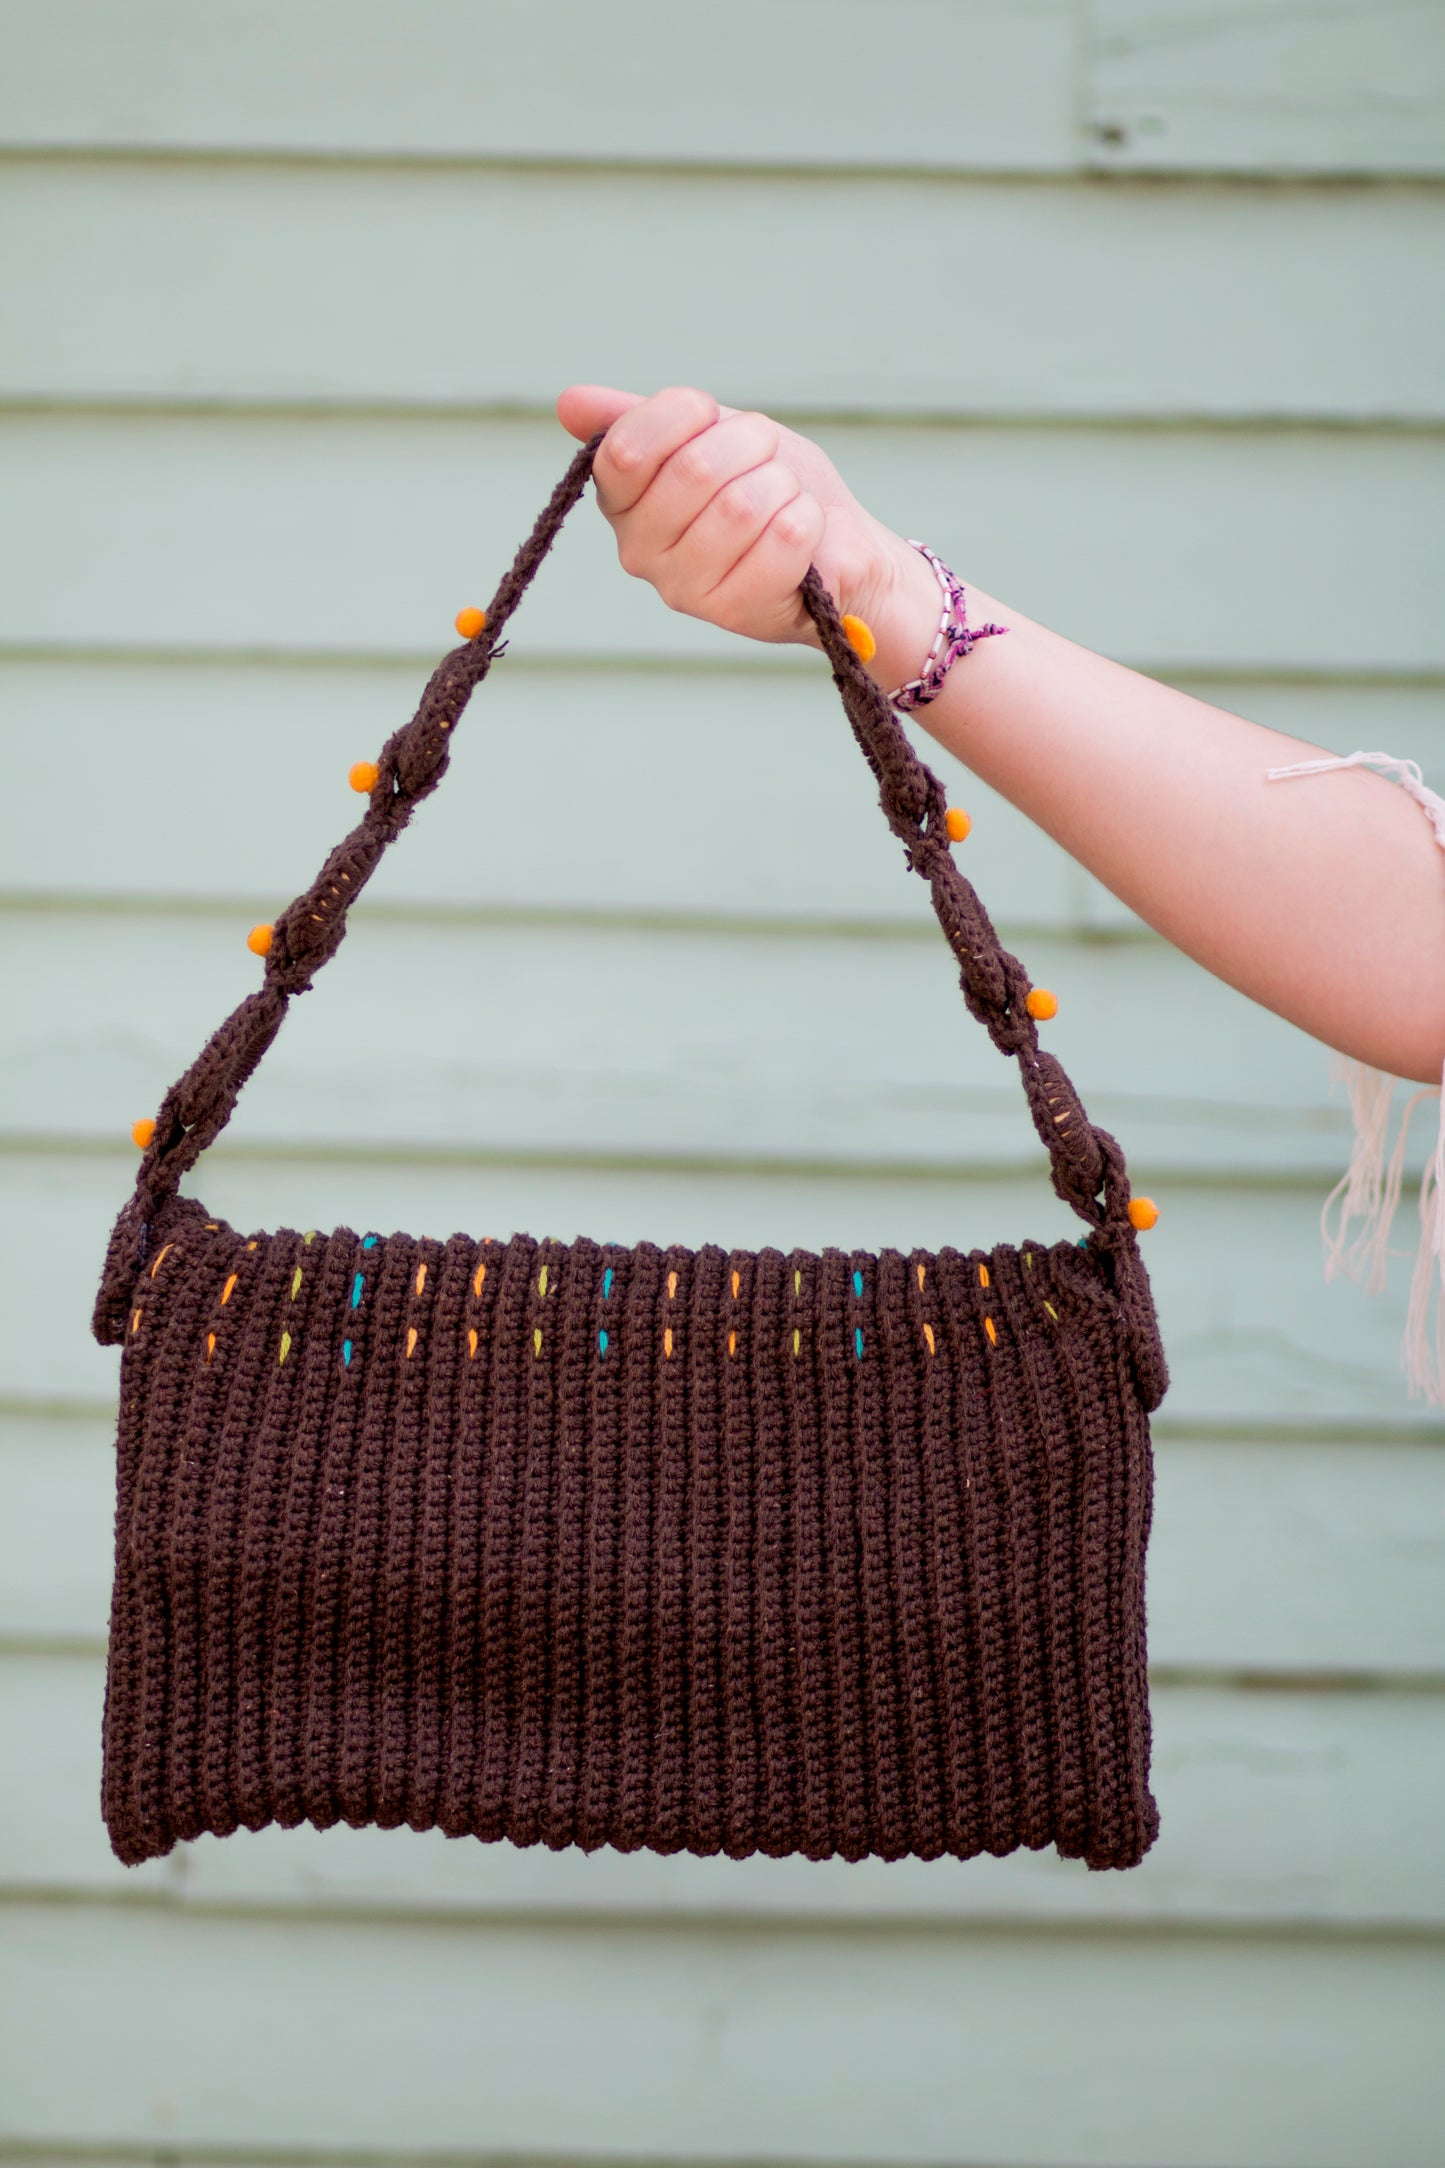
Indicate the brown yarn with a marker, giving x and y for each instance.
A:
(578, 1544)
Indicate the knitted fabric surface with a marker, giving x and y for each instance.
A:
(586, 1544)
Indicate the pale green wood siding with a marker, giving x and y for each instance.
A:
(1340, 86)
(962, 84)
(1270, 552)
(1023, 86)
(296, 284)
(1135, 310)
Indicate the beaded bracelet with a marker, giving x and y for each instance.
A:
(954, 637)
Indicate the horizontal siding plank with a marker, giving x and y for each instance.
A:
(1343, 86)
(317, 286)
(1188, 550)
(1274, 1808)
(1298, 1557)
(758, 2045)
(616, 1039)
(57, 1477)
(1264, 1558)
(653, 801)
(1353, 88)
(426, 79)
(1252, 1333)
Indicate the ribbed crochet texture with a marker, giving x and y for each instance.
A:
(832, 1553)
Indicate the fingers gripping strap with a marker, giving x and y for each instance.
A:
(412, 763)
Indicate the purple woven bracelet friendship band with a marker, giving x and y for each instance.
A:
(954, 637)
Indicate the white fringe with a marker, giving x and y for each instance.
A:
(1370, 1191)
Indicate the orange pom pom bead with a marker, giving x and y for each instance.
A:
(142, 1131)
(860, 638)
(258, 940)
(362, 776)
(1041, 1003)
(470, 623)
(957, 822)
(1142, 1212)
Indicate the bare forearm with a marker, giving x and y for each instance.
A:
(1322, 898)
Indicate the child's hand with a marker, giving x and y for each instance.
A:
(724, 511)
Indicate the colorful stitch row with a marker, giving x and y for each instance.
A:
(369, 1242)
(603, 1340)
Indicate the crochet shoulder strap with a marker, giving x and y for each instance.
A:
(1083, 1160)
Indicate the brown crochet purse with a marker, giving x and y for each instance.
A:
(573, 1543)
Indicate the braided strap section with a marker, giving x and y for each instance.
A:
(1083, 1160)
(310, 931)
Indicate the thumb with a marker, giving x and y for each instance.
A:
(583, 409)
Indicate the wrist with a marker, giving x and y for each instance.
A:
(960, 625)
(905, 608)
(901, 597)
